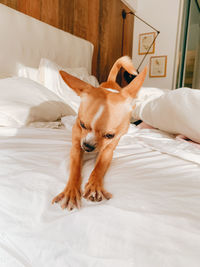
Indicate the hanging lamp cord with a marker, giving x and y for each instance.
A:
(124, 14)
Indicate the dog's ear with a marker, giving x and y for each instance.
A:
(76, 84)
(132, 88)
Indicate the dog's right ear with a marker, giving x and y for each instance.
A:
(132, 88)
(76, 84)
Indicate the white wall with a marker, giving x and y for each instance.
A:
(132, 4)
(164, 16)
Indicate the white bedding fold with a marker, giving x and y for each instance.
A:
(158, 140)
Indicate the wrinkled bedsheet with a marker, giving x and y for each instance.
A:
(153, 218)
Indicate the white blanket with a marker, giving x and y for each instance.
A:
(151, 221)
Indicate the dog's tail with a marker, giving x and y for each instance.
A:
(124, 62)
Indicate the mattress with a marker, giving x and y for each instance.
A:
(153, 218)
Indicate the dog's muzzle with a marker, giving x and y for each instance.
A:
(88, 147)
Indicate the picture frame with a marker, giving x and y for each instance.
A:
(158, 66)
(145, 41)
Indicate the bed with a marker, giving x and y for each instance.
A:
(153, 217)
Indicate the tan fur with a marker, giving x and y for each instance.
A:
(111, 84)
(102, 112)
(123, 62)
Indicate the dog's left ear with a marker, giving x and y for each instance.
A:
(132, 88)
(76, 84)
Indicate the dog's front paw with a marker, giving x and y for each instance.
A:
(95, 192)
(69, 198)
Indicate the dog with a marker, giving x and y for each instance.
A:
(103, 117)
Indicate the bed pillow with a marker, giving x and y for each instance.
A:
(176, 112)
(23, 101)
(144, 95)
(28, 72)
(49, 76)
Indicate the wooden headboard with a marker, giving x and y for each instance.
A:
(98, 21)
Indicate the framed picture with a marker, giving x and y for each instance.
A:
(145, 41)
(158, 66)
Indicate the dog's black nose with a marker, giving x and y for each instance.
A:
(87, 147)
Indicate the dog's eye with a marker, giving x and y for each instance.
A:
(109, 136)
(82, 125)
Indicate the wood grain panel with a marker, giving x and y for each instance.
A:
(86, 24)
(93, 32)
(50, 12)
(80, 18)
(66, 22)
(10, 3)
(127, 42)
(29, 7)
(110, 36)
(128, 34)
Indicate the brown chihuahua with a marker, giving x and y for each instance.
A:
(103, 117)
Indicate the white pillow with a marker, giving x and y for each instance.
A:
(23, 101)
(27, 72)
(144, 95)
(49, 76)
(176, 112)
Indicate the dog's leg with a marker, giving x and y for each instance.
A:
(94, 189)
(71, 195)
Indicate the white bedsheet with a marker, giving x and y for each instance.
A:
(153, 219)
